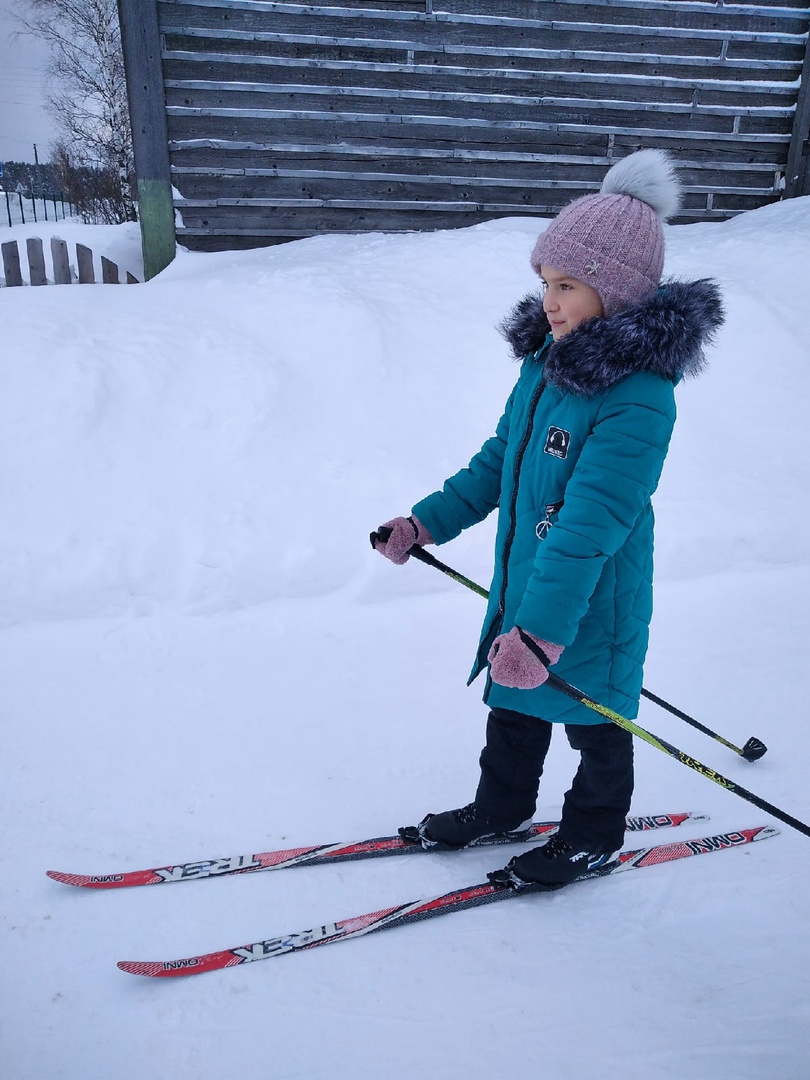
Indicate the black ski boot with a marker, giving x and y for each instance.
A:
(463, 827)
(558, 863)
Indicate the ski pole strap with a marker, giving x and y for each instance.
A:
(556, 683)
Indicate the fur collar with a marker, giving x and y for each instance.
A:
(665, 334)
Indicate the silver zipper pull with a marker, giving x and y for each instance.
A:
(544, 525)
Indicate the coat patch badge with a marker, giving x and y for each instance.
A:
(557, 442)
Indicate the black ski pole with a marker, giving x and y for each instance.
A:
(430, 560)
(556, 683)
(753, 749)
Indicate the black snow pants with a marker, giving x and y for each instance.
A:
(594, 809)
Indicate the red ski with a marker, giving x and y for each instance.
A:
(471, 896)
(320, 853)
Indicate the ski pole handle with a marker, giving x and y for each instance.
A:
(379, 536)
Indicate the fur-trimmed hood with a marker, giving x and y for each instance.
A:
(665, 334)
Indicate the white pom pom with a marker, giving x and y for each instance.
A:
(648, 175)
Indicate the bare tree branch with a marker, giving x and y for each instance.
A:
(87, 87)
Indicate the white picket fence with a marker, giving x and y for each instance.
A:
(63, 271)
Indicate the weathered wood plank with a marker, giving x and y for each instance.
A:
(245, 156)
(458, 174)
(181, 68)
(766, 7)
(365, 46)
(210, 238)
(527, 190)
(753, 50)
(84, 260)
(435, 108)
(326, 183)
(378, 5)
(437, 124)
(528, 93)
(296, 221)
(751, 18)
(773, 9)
(399, 25)
(494, 199)
(715, 63)
(675, 19)
(508, 138)
(109, 271)
(528, 8)
(36, 261)
(234, 209)
(61, 262)
(12, 270)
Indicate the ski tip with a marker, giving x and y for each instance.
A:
(162, 969)
(141, 967)
(98, 881)
(168, 969)
(67, 879)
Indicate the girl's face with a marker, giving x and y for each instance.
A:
(567, 301)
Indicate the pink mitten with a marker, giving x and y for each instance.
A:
(400, 536)
(521, 660)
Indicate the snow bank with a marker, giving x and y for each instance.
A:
(228, 433)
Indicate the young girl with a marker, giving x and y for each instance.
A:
(571, 468)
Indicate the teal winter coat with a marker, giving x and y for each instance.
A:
(571, 468)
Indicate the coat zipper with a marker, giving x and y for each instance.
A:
(510, 536)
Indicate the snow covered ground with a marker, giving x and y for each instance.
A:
(201, 656)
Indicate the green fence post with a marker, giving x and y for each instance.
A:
(140, 38)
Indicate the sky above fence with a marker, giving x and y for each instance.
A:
(23, 119)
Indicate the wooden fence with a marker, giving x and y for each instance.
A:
(63, 273)
(285, 119)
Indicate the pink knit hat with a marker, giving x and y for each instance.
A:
(614, 241)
